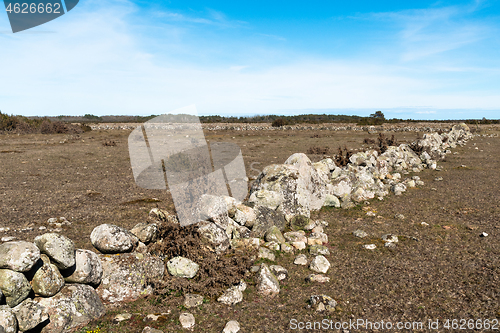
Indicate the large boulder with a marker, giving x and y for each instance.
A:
(14, 286)
(297, 183)
(47, 280)
(109, 238)
(213, 208)
(87, 270)
(30, 314)
(125, 276)
(72, 308)
(18, 256)
(60, 249)
(266, 218)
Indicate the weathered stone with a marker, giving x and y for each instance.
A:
(15, 287)
(187, 320)
(30, 314)
(231, 327)
(273, 234)
(265, 253)
(320, 264)
(270, 199)
(47, 280)
(398, 189)
(298, 222)
(301, 259)
(360, 233)
(8, 321)
(389, 238)
(125, 276)
(246, 243)
(148, 329)
(182, 267)
(273, 246)
(236, 230)
(192, 300)
(267, 284)
(248, 215)
(370, 246)
(145, 232)
(213, 236)
(322, 303)
(60, 249)
(214, 209)
(109, 239)
(121, 317)
(72, 308)
(265, 219)
(87, 270)
(280, 272)
(233, 295)
(319, 249)
(295, 236)
(317, 278)
(18, 256)
(287, 248)
(231, 204)
(299, 245)
(331, 201)
(317, 238)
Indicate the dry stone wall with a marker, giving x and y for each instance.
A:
(50, 285)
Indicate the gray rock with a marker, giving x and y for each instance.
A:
(182, 267)
(233, 295)
(18, 256)
(146, 232)
(87, 270)
(317, 238)
(214, 209)
(390, 238)
(192, 300)
(322, 303)
(265, 219)
(148, 329)
(265, 253)
(320, 264)
(231, 327)
(108, 238)
(287, 248)
(121, 317)
(299, 222)
(280, 272)
(30, 314)
(317, 278)
(60, 249)
(273, 234)
(231, 204)
(301, 259)
(72, 308)
(273, 246)
(399, 216)
(15, 287)
(267, 284)
(319, 249)
(187, 320)
(398, 189)
(370, 246)
(247, 216)
(237, 230)
(295, 236)
(331, 201)
(360, 233)
(8, 321)
(47, 280)
(213, 236)
(270, 199)
(125, 276)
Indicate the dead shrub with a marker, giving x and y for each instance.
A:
(368, 141)
(342, 157)
(383, 143)
(315, 150)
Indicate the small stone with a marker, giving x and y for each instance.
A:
(108, 238)
(390, 244)
(187, 320)
(483, 234)
(317, 278)
(370, 246)
(287, 248)
(331, 201)
(280, 272)
(322, 303)
(370, 213)
(319, 249)
(267, 284)
(273, 246)
(145, 232)
(299, 245)
(399, 216)
(265, 253)
(231, 327)
(192, 300)
(295, 236)
(273, 234)
(148, 329)
(320, 264)
(438, 179)
(390, 238)
(182, 267)
(121, 317)
(254, 268)
(318, 229)
(425, 224)
(360, 233)
(233, 295)
(301, 259)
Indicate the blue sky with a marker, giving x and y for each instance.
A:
(410, 59)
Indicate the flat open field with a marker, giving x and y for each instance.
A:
(436, 272)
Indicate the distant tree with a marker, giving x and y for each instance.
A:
(378, 115)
